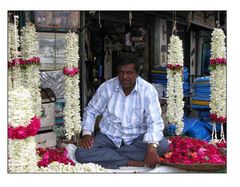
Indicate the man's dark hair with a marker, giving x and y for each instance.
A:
(128, 58)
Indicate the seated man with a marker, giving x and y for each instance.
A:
(131, 126)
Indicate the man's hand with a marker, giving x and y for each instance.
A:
(86, 142)
(152, 157)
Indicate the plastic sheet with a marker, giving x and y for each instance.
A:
(53, 80)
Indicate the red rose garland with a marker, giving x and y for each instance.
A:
(174, 66)
(70, 71)
(22, 132)
(217, 119)
(20, 61)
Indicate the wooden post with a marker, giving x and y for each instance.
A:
(83, 90)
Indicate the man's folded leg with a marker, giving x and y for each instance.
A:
(102, 153)
(137, 149)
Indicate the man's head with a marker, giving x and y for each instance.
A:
(128, 68)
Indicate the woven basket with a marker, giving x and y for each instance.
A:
(197, 167)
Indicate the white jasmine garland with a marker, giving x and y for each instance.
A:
(175, 51)
(218, 73)
(13, 41)
(22, 157)
(218, 48)
(14, 73)
(29, 49)
(175, 102)
(19, 107)
(56, 167)
(218, 91)
(72, 118)
(29, 41)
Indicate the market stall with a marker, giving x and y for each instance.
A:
(45, 108)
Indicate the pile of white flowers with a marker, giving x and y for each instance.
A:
(56, 167)
(72, 119)
(29, 49)
(175, 101)
(218, 75)
(14, 73)
(22, 152)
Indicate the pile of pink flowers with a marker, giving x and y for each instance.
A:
(186, 150)
(51, 155)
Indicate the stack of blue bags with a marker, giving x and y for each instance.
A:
(159, 76)
(186, 87)
(193, 127)
(201, 93)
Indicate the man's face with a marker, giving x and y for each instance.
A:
(127, 76)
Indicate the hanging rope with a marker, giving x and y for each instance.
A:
(218, 20)
(174, 29)
(130, 18)
(99, 19)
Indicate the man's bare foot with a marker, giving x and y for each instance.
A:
(136, 163)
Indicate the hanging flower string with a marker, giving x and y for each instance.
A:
(22, 132)
(70, 71)
(14, 72)
(175, 102)
(218, 73)
(23, 126)
(30, 64)
(72, 119)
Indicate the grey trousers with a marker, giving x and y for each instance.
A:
(105, 153)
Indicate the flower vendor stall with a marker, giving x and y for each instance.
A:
(79, 54)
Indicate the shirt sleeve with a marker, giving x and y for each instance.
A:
(154, 120)
(94, 108)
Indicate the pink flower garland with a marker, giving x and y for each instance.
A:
(51, 155)
(20, 61)
(186, 150)
(70, 71)
(174, 67)
(22, 132)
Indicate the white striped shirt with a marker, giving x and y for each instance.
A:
(125, 117)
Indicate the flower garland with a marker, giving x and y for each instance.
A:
(30, 64)
(14, 73)
(56, 167)
(57, 161)
(186, 150)
(22, 144)
(72, 107)
(175, 101)
(218, 73)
